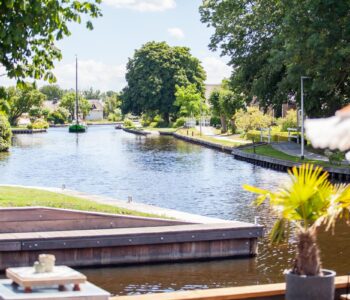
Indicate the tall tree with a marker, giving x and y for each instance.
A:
(21, 99)
(152, 75)
(272, 43)
(92, 94)
(225, 103)
(29, 30)
(52, 91)
(68, 102)
(189, 100)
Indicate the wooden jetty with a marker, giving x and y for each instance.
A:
(79, 238)
(27, 131)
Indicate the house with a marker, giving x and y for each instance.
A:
(96, 112)
(51, 105)
(211, 87)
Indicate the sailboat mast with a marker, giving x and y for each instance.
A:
(76, 91)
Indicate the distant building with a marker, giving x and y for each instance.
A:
(211, 87)
(96, 112)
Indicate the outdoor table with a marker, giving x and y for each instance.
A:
(60, 276)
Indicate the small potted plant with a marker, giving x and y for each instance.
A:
(304, 203)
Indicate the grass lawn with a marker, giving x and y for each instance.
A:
(19, 197)
(196, 134)
(268, 150)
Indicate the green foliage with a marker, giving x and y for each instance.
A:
(307, 200)
(272, 43)
(112, 105)
(116, 116)
(128, 123)
(152, 75)
(289, 121)
(38, 124)
(29, 30)
(59, 116)
(92, 94)
(5, 133)
(252, 119)
(188, 100)
(21, 100)
(180, 122)
(254, 135)
(52, 92)
(68, 102)
(35, 113)
(335, 157)
(225, 103)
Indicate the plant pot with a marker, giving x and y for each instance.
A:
(310, 287)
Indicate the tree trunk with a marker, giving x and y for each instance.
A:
(307, 261)
(223, 124)
(233, 125)
(166, 118)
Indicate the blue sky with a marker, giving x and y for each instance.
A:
(125, 26)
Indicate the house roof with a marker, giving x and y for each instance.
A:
(96, 104)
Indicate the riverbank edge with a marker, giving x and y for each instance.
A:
(27, 131)
(340, 174)
(135, 131)
(135, 206)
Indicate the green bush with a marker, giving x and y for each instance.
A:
(59, 116)
(38, 124)
(335, 157)
(180, 122)
(290, 121)
(215, 121)
(5, 133)
(128, 123)
(275, 136)
(252, 119)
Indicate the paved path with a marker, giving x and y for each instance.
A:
(294, 150)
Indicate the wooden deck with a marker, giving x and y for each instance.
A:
(86, 239)
(256, 292)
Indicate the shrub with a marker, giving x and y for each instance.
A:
(180, 122)
(252, 119)
(335, 157)
(214, 121)
(275, 136)
(290, 121)
(128, 123)
(5, 133)
(59, 116)
(38, 124)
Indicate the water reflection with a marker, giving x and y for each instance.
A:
(169, 173)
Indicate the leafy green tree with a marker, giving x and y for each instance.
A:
(52, 91)
(272, 43)
(152, 75)
(29, 30)
(4, 105)
(224, 104)
(92, 94)
(59, 116)
(21, 99)
(189, 100)
(112, 104)
(68, 102)
(252, 119)
(5, 133)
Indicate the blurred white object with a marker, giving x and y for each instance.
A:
(332, 133)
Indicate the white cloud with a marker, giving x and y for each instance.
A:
(216, 69)
(142, 5)
(91, 73)
(176, 33)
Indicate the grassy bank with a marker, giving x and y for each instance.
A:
(196, 134)
(19, 197)
(268, 150)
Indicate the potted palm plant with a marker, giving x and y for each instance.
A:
(304, 203)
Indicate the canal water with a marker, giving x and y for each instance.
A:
(170, 173)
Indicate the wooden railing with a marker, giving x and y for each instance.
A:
(264, 291)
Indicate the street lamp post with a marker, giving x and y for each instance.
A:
(302, 114)
(200, 117)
